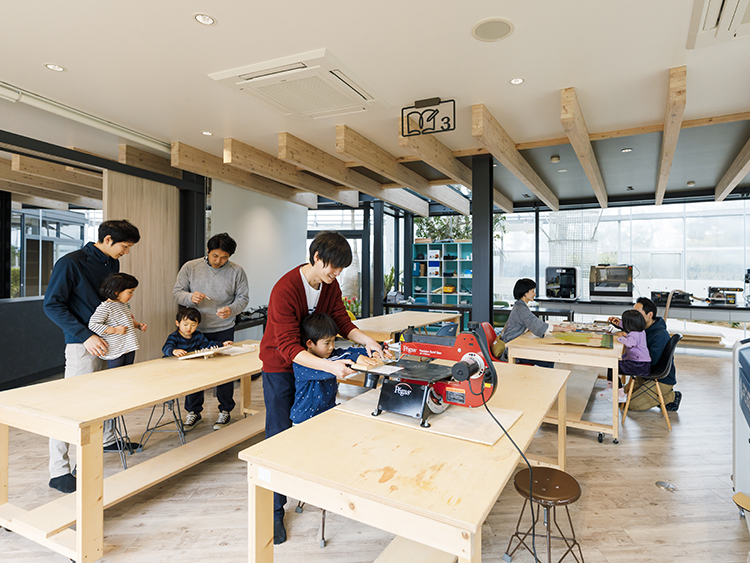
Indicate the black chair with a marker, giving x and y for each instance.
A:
(448, 329)
(658, 371)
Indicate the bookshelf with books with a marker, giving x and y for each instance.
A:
(442, 272)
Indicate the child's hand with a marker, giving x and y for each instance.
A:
(364, 360)
(142, 326)
(119, 329)
(179, 353)
(227, 343)
(621, 333)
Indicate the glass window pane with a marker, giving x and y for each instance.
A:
(32, 225)
(335, 220)
(16, 289)
(71, 230)
(714, 232)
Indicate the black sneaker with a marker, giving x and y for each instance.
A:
(127, 446)
(279, 531)
(675, 405)
(64, 483)
(222, 420)
(190, 421)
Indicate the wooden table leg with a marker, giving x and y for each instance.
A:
(89, 495)
(260, 521)
(4, 436)
(615, 402)
(245, 394)
(562, 429)
(477, 557)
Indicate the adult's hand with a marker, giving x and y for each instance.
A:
(340, 368)
(95, 345)
(197, 297)
(374, 349)
(224, 313)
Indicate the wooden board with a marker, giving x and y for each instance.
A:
(591, 339)
(474, 425)
(580, 385)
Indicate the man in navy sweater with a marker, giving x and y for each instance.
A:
(71, 298)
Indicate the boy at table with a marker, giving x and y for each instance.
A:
(187, 338)
(308, 288)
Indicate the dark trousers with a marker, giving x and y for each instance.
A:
(629, 367)
(126, 359)
(224, 392)
(278, 395)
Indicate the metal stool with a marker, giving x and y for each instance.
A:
(552, 488)
(172, 406)
(122, 439)
(298, 510)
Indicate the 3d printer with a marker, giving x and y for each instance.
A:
(611, 283)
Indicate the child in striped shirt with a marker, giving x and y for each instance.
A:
(114, 322)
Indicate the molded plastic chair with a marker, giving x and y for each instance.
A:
(499, 319)
(448, 329)
(491, 335)
(659, 370)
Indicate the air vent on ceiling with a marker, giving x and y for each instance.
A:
(313, 84)
(718, 21)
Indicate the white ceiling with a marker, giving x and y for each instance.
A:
(145, 65)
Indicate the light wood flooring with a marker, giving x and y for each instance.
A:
(201, 514)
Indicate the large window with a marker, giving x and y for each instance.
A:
(39, 237)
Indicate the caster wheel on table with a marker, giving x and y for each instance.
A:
(600, 437)
(615, 441)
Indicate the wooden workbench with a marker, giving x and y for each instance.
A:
(434, 492)
(384, 327)
(529, 347)
(74, 409)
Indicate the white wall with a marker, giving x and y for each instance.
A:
(271, 236)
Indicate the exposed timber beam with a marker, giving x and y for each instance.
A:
(39, 202)
(486, 129)
(142, 159)
(571, 117)
(734, 174)
(676, 100)
(250, 159)
(53, 171)
(304, 155)
(22, 189)
(377, 159)
(430, 150)
(197, 161)
(39, 182)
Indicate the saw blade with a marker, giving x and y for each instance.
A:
(435, 402)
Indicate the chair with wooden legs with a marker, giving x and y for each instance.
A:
(658, 371)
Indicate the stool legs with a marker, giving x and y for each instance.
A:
(172, 406)
(521, 536)
(122, 439)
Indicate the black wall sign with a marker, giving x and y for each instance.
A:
(421, 120)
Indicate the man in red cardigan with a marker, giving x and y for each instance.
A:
(306, 289)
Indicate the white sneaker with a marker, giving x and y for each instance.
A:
(605, 393)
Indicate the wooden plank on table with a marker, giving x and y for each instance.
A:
(401, 550)
(456, 422)
(51, 518)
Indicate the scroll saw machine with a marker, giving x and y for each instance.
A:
(420, 388)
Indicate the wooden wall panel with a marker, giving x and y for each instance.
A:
(154, 208)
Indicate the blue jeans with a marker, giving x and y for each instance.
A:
(126, 359)
(224, 392)
(278, 395)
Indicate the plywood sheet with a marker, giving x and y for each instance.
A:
(580, 385)
(474, 425)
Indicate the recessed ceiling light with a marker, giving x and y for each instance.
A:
(526, 196)
(204, 19)
(492, 29)
(691, 183)
(630, 188)
(627, 149)
(554, 159)
(56, 68)
(207, 133)
(563, 170)
(516, 81)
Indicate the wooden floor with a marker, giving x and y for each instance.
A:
(621, 516)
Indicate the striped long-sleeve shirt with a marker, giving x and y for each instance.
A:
(110, 314)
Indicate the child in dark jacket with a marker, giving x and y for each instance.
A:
(315, 390)
(187, 338)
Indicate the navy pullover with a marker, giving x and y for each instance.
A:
(72, 295)
(176, 341)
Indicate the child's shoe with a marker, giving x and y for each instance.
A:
(605, 393)
(222, 420)
(191, 421)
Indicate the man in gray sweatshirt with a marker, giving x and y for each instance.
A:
(218, 289)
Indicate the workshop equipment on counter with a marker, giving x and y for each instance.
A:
(421, 388)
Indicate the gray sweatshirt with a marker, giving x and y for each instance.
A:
(520, 320)
(225, 287)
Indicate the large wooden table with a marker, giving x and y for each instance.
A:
(434, 492)
(529, 347)
(384, 327)
(74, 410)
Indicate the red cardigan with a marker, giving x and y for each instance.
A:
(287, 307)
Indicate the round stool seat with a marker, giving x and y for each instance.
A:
(551, 487)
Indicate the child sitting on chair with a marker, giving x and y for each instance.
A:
(636, 359)
(187, 338)
(315, 390)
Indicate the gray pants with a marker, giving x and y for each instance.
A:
(77, 362)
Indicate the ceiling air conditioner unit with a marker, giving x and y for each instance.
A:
(718, 21)
(313, 84)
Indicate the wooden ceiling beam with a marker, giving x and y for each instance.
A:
(431, 151)
(486, 129)
(377, 159)
(502, 201)
(22, 189)
(53, 171)
(304, 155)
(250, 159)
(133, 156)
(676, 101)
(197, 161)
(734, 174)
(39, 202)
(7, 173)
(84, 171)
(571, 117)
